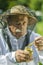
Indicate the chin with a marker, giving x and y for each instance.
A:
(17, 35)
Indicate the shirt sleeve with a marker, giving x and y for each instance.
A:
(11, 57)
(6, 56)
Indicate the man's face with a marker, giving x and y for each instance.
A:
(18, 25)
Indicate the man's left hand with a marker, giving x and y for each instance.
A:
(39, 43)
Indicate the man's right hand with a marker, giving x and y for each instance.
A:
(21, 55)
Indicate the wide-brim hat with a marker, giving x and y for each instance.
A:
(20, 9)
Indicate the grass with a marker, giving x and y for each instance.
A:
(39, 28)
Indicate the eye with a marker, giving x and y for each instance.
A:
(18, 23)
(24, 22)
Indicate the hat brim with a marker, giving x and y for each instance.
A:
(32, 19)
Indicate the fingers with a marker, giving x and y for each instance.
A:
(22, 56)
(40, 48)
(39, 43)
(24, 52)
(38, 38)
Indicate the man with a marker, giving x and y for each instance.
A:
(15, 36)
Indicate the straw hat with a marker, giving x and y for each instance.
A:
(20, 9)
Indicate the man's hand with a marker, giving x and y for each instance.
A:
(22, 56)
(39, 43)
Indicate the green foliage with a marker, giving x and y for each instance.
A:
(3, 4)
(11, 3)
(36, 4)
(33, 4)
(39, 28)
(40, 63)
(24, 2)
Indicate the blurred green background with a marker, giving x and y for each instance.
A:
(35, 5)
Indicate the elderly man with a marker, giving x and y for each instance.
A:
(16, 34)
